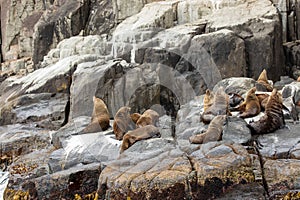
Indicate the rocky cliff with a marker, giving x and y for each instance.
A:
(56, 55)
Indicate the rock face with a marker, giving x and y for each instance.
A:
(151, 54)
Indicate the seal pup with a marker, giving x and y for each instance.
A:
(143, 133)
(122, 122)
(213, 133)
(100, 117)
(149, 117)
(273, 118)
(262, 83)
(219, 106)
(135, 117)
(208, 99)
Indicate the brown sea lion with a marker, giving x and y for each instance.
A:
(138, 134)
(219, 106)
(263, 99)
(251, 106)
(100, 117)
(149, 117)
(122, 122)
(213, 133)
(262, 83)
(208, 99)
(298, 79)
(135, 117)
(273, 118)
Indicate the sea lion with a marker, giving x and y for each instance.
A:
(262, 98)
(135, 117)
(251, 106)
(262, 83)
(219, 106)
(298, 79)
(145, 132)
(100, 117)
(235, 99)
(208, 99)
(149, 117)
(273, 118)
(122, 122)
(213, 133)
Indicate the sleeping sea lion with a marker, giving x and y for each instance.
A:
(100, 117)
(122, 122)
(262, 83)
(273, 118)
(213, 133)
(143, 133)
(219, 106)
(149, 117)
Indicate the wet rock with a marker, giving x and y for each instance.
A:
(81, 180)
(214, 172)
(245, 191)
(282, 175)
(278, 145)
(236, 131)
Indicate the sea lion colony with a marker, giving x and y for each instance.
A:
(133, 127)
(258, 98)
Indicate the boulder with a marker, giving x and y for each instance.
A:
(155, 168)
(256, 22)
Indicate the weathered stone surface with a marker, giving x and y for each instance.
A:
(236, 131)
(238, 85)
(21, 139)
(44, 109)
(278, 145)
(102, 18)
(64, 184)
(142, 172)
(66, 19)
(206, 58)
(85, 149)
(257, 22)
(282, 175)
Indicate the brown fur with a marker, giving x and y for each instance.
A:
(135, 117)
(219, 106)
(298, 79)
(208, 99)
(263, 81)
(122, 122)
(213, 133)
(138, 134)
(100, 117)
(149, 117)
(273, 116)
(251, 106)
(263, 99)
